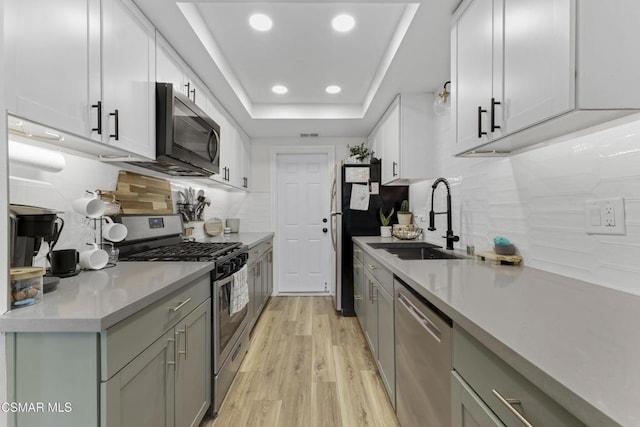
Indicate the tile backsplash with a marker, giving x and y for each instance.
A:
(537, 200)
(31, 186)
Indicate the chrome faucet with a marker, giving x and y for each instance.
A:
(432, 215)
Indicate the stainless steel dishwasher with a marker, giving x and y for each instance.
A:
(423, 361)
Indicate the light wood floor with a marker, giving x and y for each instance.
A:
(306, 367)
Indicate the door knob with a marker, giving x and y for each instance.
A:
(324, 220)
(324, 230)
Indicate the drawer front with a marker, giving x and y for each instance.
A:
(125, 340)
(496, 383)
(257, 251)
(358, 253)
(382, 275)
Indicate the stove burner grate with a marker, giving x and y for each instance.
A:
(185, 251)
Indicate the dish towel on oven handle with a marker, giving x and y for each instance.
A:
(239, 291)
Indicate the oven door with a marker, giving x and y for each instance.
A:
(226, 328)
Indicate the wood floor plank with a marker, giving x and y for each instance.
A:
(325, 406)
(291, 308)
(323, 364)
(306, 366)
(304, 318)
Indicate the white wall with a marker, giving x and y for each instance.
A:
(255, 211)
(536, 199)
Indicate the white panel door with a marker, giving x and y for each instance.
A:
(303, 204)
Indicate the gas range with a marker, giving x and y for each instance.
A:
(159, 238)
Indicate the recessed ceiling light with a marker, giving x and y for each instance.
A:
(343, 23)
(333, 89)
(279, 89)
(260, 22)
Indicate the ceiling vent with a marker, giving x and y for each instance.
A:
(309, 135)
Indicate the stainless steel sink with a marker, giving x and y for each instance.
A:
(422, 253)
(405, 245)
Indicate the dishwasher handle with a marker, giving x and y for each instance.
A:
(427, 324)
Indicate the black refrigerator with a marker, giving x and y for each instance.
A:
(347, 223)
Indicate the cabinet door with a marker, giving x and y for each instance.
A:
(253, 273)
(142, 393)
(128, 78)
(169, 69)
(269, 274)
(386, 343)
(468, 410)
(474, 73)
(193, 366)
(371, 313)
(391, 143)
(358, 292)
(52, 54)
(539, 69)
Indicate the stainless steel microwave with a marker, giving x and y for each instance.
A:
(187, 139)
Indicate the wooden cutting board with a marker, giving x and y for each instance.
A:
(142, 194)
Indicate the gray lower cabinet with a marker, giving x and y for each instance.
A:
(358, 292)
(260, 280)
(468, 410)
(152, 369)
(374, 306)
(371, 312)
(173, 376)
(511, 397)
(147, 382)
(386, 345)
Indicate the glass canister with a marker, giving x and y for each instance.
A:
(26, 286)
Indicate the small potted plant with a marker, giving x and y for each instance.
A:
(405, 216)
(359, 153)
(385, 229)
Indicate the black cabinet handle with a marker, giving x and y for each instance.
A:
(394, 169)
(193, 92)
(480, 132)
(493, 114)
(188, 86)
(99, 107)
(117, 134)
(245, 181)
(324, 230)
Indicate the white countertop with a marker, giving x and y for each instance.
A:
(95, 300)
(577, 341)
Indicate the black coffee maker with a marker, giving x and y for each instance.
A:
(30, 225)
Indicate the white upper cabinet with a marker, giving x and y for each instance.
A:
(128, 78)
(403, 139)
(71, 64)
(524, 72)
(52, 61)
(169, 67)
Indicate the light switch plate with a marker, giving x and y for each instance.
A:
(604, 216)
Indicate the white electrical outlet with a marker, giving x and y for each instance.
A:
(604, 216)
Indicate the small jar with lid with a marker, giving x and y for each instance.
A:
(26, 286)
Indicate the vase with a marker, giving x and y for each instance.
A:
(404, 218)
(385, 231)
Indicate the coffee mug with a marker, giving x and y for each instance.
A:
(114, 231)
(63, 262)
(91, 207)
(94, 259)
(233, 224)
